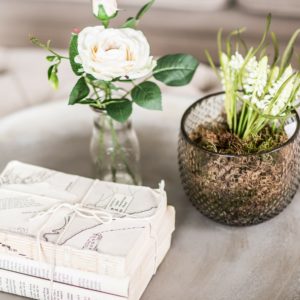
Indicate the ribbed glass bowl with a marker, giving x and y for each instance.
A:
(236, 189)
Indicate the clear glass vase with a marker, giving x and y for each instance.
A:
(115, 150)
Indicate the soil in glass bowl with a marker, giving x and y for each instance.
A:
(218, 138)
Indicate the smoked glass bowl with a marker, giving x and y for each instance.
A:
(236, 189)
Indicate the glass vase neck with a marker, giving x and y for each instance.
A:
(102, 119)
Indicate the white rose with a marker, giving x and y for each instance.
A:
(110, 53)
(110, 7)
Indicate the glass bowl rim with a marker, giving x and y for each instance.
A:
(187, 138)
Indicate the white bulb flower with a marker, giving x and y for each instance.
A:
(284, 95)
(262, 86)
(236, 61)
(256, 76)
(110, 7)
(112, 53)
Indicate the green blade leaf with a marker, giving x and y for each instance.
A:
(235, 33)
(276, 48)
(212, 64)
(130, 23)
(176, 69)
(119, 109)
(265, 34)
(219, 41)
(148, 95)
(79, 91)
(73, 52)
(288, 52)
(144, 9)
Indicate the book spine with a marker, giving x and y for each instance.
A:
(41, 289)
(86, 260)
(87, 280)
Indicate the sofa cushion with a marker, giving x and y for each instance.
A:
(276, 7)
(187, 5)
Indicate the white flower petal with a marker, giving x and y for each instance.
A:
(111, 53)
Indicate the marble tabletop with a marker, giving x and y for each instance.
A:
(207, 261)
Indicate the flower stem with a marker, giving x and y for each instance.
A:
(117, 149)
(47, 47)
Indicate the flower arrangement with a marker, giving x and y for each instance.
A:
(105, 58)
(260, 94)
(115, 70)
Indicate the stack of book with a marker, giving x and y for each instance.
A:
(69, 237)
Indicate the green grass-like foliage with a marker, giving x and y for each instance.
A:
(259, 92)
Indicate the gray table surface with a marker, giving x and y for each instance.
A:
(207, 261)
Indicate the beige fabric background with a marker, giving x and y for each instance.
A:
(172, 25)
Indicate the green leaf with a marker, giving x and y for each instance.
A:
(90, 77)
(79, 91)
(51, 58)
(267, 29)
(288, 52)
(120, 79)
(276, 48)
(212, 64)
(235, 33)
(219, 41)
(73, 52)
(52, 76)
(88, 101)
(119, 109)
(133, 21)
(130, 23)
(50, 70)
(54, 81)
(101, 84)
(148, 95)
(144, 9)
(176, 69)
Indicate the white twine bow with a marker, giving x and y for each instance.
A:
(101, 216)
